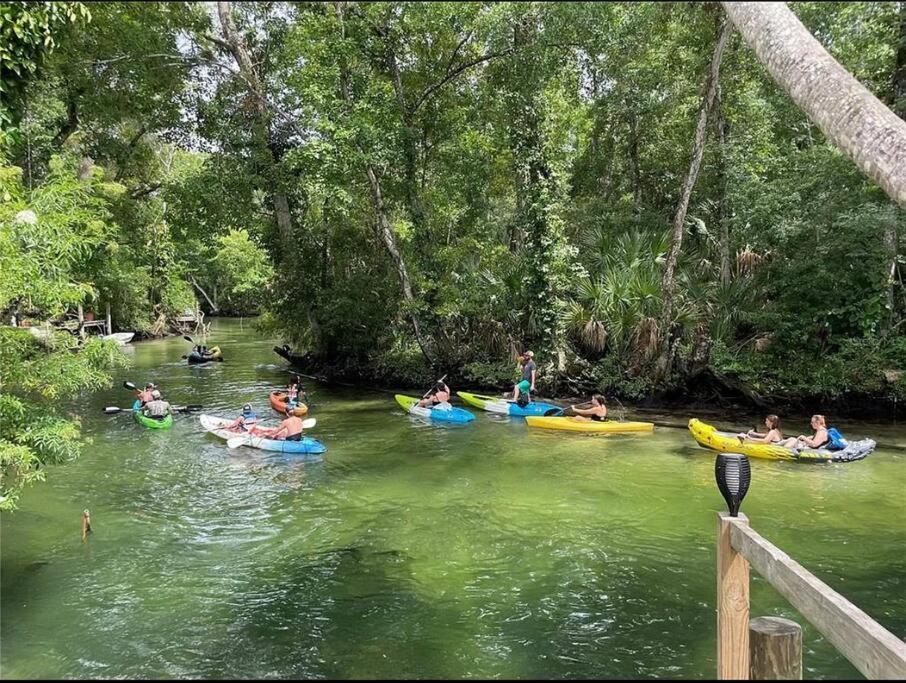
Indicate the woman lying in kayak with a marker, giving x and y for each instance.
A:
(773, 435)
(597, 412)
(817, 440)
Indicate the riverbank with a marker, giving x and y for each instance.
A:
(709, 392)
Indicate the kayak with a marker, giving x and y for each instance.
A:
(150, 422)
(727, 442)
(279, 402)
(213, 353)
(307, 446)
(458, 415)
(495, 404)
(570, 424)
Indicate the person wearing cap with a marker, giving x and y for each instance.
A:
(525, 387)
(289, 430)
(144, 396)
(246, 422)
(157, 407)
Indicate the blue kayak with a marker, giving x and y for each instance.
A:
(495, 404)
(457, 415)
(307, 445)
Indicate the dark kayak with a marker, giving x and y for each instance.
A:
(195, 358)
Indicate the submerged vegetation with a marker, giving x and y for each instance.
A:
(407, 189)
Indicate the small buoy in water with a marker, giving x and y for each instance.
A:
(86, 524)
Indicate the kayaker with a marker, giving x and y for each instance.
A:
(439, 398)
(773, 435)
(597, 412)
(156, 408)
(247, 421)
(144, 396)
(525, 387)
(521, 393)
(290, 429)
(817, 440)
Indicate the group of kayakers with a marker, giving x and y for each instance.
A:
(774, 434)
(290, 429)
(152, 403)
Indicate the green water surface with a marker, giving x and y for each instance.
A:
(412, 549)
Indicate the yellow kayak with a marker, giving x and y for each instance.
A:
(727, 442)
(570, 424)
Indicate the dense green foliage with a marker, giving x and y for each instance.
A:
(412, 188)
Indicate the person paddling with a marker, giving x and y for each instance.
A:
(145, 395)
(157, 407)
(439, 398)
(597, 412)
(290, 429)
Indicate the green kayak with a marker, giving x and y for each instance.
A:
(150, 422)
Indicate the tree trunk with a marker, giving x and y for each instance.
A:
(723, 210)
(848, 114)
(238, 49)
(665, 359)
(634, 163)
(899, 74)
(385, 230)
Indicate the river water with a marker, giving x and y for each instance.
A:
(411, 550)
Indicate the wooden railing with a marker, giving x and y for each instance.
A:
(873, 650)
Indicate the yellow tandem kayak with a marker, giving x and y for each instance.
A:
(727, 442)
(569, 424)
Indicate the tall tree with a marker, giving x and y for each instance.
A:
(846, 111)
(665, 358)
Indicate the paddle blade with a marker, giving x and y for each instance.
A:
(237, 441)
(188, 338)
(110, 410)
(553, 412)
(309, 423)
(129, 385)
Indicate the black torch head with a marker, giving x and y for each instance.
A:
(733, 476)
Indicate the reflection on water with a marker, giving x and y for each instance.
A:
(413, 549)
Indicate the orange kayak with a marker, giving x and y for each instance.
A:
(279, 401)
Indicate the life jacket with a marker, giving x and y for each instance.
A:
(249, 420)
(835, 440)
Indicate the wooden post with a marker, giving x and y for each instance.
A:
(81, 322)
(775, 649)
(732, 603)
(109, 320)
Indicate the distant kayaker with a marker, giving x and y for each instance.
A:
(144, 396)
(773, 435)
(246, 422)
(157, 408)
(817, 440)
(597, 412)
(295, 393)
(290, 429)
(439, 398)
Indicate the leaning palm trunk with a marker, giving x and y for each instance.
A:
(665, 358)
(851, 117)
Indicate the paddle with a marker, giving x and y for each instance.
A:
(191, 408)
(432, 388)
(237, 441)
(559, 412)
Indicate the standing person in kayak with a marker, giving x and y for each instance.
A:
(157, 408)
(597, 412)
(439, 398)
(525, 387)
(289, 430)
